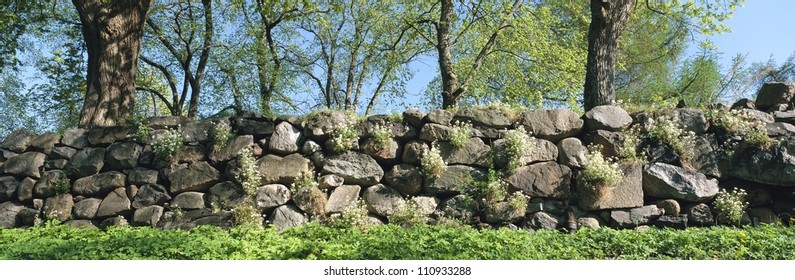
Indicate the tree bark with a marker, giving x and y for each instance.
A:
(449, 77)
(608, 20)
(112, 31)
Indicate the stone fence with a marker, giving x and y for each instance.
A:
(672, 166)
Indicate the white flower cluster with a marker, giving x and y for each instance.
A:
(599, 171)
(344, 137)
(730, 205)
(168, 144)
(248, 175)
(666, 130)
(518, 144)
(741, 122)
(461, 133)
(381, 134)
(432, 162)
(222, 133)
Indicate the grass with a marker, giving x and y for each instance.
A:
(393, 242)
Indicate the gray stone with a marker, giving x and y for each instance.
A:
(382, 200)
(142, 176)
(631, 218)
(46, 186)
(387, 152)
(414, 117)
(546, 179)
(18, 141)
(779, 129)
(610, 143)
(484, 117)
(58, 207)
(588, 222)
(439, 116)
(700, 215)
(103, 136)
(25, 189)
(317, 158)
(743, 103)
(122, 155)
(115, 203)
(196, 132)
(771, 95)
(474, 153)
(672, 221)
(165, 122)
(9, 214)
(435, 132)
(287, 216)
(8, 188)
(198, 177)
(320, 126)
(75, 138)
(540, 150)
(226, 195)
(540, 221)
(329, 181)
(628, 194)
(554, 207)
(342, 198)
(272, 196)
(188, 200)
(150, 194)
(45, 143)
(669, 206)
(669, 181)
(232, 149)
(59, 164)
(552, 125)
(785, 116)
(86, 208)
(26, 164)
(86, 162)
(254, 126)
(84, 224)
(147, 216)
(607, 117)
(690, 119)
(296, 121)
(193, 218)
(454, 180)
(413, 151)
(311, 147)
(397, 130)
(572, 153)
(459, 207)
(427, 204)
(501, 212)
(405, 178)
(286, 139)
(61, 153)
(772, 166)
(707, 158)
(311, 201)
(760, 116)
(191, 153)
(355, 168)
(274, 169)
(99, 184)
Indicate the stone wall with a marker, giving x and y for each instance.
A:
(104, 177)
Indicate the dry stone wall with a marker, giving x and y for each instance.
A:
(103, 177)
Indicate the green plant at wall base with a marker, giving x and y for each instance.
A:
(518, 144)
(344, 137)
(167, 145)
(600, 171)
(730, 206)
(221, 133)
(381, 135)
(460, 134)
(667, 131)
(247, 214)
(408, 215)
(354, 216)
(432, 163)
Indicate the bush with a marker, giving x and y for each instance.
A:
(344, 137)
(139, 125)
(308, 197)
(221, 133)
(517, 201)
(408, 215)
(168, 145)
(730, 206)
(247, 173)
(741, 122)
(665, 130)
(518, 144)
(354, 216)
(461, 133)
(432, 163)
(600, 172)
(381, 135)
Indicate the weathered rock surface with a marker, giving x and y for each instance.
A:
(414, 117)
(329, 181)
(282, 170)
(272, 196)
(690, 119)
(474, 153)
(382, 200)
(188, 200)
(142, 176)
(387, 152)
(147, 216)
(8, 188)
(25, 189)
(355, 168)
(634, 217)
(287, 216)
(150, 194)
(115, 203)
(99, 184)
(439, 116)
(546, 179)
(432, 132)
(10, 214)
(320, 126)
(58, 207)
(46, 186)
(18, 141)
(232, 149)
(672, 221)
(286, 139)
(45, 143)
(607, 117)
(669, 206)
(540, 221)
(669, 181)
(199, 177)
(225, 195)
(540, 150)
(108, 135)
(628, 194)
(484, 117)
(25, 164)
(405, 178)
(501, 212)
(122, 155)
(610, 142)
(86, 208)
(75, 138)
(459, 207)
(552, 125)
(700, 215)
(86, 162)
(771, 95)
(779, 129)
(413, 151)
(341, 198)
(572, 153)
(454, 180)
(191, 219)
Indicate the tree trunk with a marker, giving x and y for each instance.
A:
(608, 19)
(112, 31)
(449, 78)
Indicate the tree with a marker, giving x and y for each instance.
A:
(112, 31)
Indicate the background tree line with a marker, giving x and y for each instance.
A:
(97, 62)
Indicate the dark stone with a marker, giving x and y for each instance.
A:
(147, 216)
(386, 152)
(8, 188)
(61, 153)
(226, 195)
(744, 103)
(254, 126)
(115, 203)
(320, 126)
(199, 177)
(540, 221)
(142, 176)
(25, 189)
(232, 149)
(58, 207)
(166, 122)
(771, 95)
(196, 132)
(631, 218)
(18, 141)
(501, 212)
(86, 162)
(772, 166)
(552, 125)
(99, 184)
(45, 143)
(405, 178)
(454, 180)
(413, 151)
(474, 153)
(75, 138)
(484, 117)
(439, 116)
(86, 208)
(382, 200)
(354, 168)
(700, 215)
(610, 142)
(27, 164)
(10, 214)
(690, 119)
(46, 186)
(272, 196)
(108, 135)
(672, 221)
(188, 200)
(546, 179)
(779, 129)
(122, 155)
(150, 194)
(414, 117)
(435, 132)
(459, 207)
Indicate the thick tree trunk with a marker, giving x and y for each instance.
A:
(112, 31)
(449, 78)
(608, 19)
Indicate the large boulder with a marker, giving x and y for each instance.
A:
(45, 143)
(386, 152)
(61, 153)
(10, 214)
(8, 188)
(254, 125)
(75, 138)
(413, 117)
(708, 157)
(454, 180)
(188, 200)
(26, 164)
(58, 207)
(25, 189)
(690, 119)
(150, 194)
(122, 155)
(700, 215)
(47, 185)
(775, 96)
(282, 170)
(342, 198)
(86, 162)
(773, 166)
(226, 195)
(540, 221)
(552, 125)
(272, 196)
(628, 194)
(501, 212)
(405, 178)
(198, 177)
(459, 207)
(115, 203)
(669, 181)
(630, 218)
(287, 216)
(540, 150)
(610, 143)
(355, 168)
(779, 129)
(18, 141)
(546, 179)
(572, 153)
(320, 126)
(413, 151)
(607, 117)
(432, 132)
(286, 139)
(439, 116)
(484, 117)
(232, 149)
(474, 152)
(147, 216)
(382, 200)
(142, 176)
(196, 132)
(86, 208)
(99, 184)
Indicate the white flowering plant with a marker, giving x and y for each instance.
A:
(730, 206)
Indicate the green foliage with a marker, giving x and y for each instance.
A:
(667, 131)
(600, 172)
(381, 135)
(354, 216)
(518, 144)
(432, 163)
(741, 122)
(517, 201)
(62, 185)
(247, 214)
(167, 145)
(730, 206)
(221, 133)
(408, 215)
(313, 241)
(629, 150)
(307, 195)
(460, 134)
(140, 126)
(344, 137)
(248, 174)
